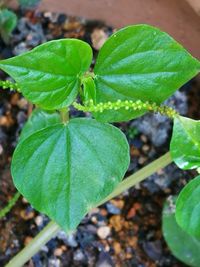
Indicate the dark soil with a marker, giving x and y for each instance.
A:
(127, 230)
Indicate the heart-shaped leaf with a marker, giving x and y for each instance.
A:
(50, 74)
(188, 208)
(65, 170)
(39, 120)
(185, 143)
(140, 62)
(183, 246)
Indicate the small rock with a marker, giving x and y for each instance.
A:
(153, 249)
(20, 49)
(54, 262)
(39, 220)
(117, 247)
(98, 36)
(1, 149)
(78, 255)
(58, 252)
(116, 222)
(104, 260)
(68, 239)
(26, 214)
(103, 232)
(112, 208)
(27, 240)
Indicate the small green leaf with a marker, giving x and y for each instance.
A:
(183, 246)
(39, 120)
(140, 62)
(8, 21)
(185, 143)
(89, 90)
(65, 170)
(188, 208)
(50, 74)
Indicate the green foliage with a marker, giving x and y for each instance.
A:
(183, 246)
(185, 143)
(89, 90)
(39, 120)
(50, 75)
(188, 208)
(28, 3)
(140, 62)
(9, 206)
(8, 21)
(65, 170)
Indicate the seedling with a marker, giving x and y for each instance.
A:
(65, 167)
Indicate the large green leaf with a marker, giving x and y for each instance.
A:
(188, 207)
(65, 170)
(183, 246)
(185, 143)
(140, 62)
(39, 120)
(50, 74)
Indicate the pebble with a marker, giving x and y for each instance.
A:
(78, 255)
(153, 249)
(27, 240)
(1, 149)
(27, 215)
(54, 262)
(58, 252)
(39, 220)
(20, 49)
(112, 209)
(98, 36)
(103, 232)
(116, 222)
(117, 247)
(68, 239)
(104, 260)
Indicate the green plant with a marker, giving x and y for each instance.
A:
(184, 246)
(65, 167)
(8, 19)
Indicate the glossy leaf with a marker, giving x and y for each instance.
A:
(140, 62)
(183, 246)
(50, 74)
(8, 21)
(39, 120)
(89, 90)
(65, 170)
(185, 143)
(188, 207)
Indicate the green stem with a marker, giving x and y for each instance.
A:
(52, 228)
(34, 246)
(64, 113)
(11, 203)
(140, 175)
